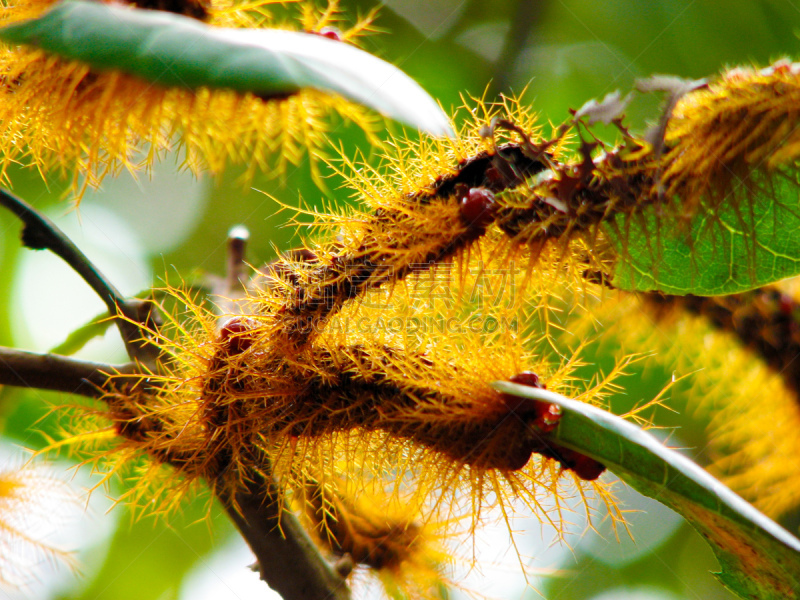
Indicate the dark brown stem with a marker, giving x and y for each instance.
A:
(288, 560)
(350, 273)
(41, 233)
(523, 24)
(57, 373)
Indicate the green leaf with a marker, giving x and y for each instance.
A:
(173, 50)
(759, 559)
(722, 250)
(83, 335)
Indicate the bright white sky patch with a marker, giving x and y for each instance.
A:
(225, 575)
(161, 211)
(53, 511)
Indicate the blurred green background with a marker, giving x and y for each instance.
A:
(143, 233)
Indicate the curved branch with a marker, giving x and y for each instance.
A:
(58, 373)
(288, 560)
(41, 233)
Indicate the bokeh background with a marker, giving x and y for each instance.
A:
(562, 53)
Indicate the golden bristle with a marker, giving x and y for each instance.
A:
(30, 495)
(59, 116)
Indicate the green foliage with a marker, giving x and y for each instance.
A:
(81, 336)
(723, 250)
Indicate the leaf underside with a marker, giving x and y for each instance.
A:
(176, 51)
(725, 249)
(758, 558)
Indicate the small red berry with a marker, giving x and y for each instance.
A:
(236, 332)
(477, 207)
(586, 468)
(786, 304)
(548, 418)
(528, 378)
(545, 415)
(331, 33)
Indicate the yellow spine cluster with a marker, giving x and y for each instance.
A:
(724, 143)
(748, 399)
(747, 120)
(370, 354)
(58, 115)
(380, 534)
(30, 497)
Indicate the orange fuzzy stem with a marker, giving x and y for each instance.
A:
(766, 320)
(426, 228)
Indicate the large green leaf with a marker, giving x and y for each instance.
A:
(173, 50)
(732, 248)
(759, 559)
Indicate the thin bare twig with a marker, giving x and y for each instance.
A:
(523, 26)
(41, 233)
(58, 373)
(229, 290)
